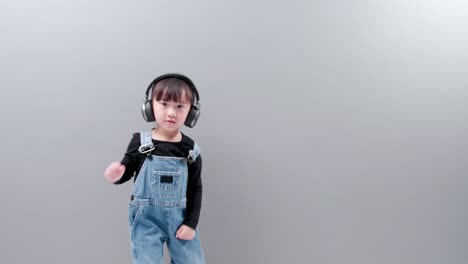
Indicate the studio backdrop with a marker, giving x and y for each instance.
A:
(330, 131)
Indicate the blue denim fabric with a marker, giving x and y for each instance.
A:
(157, 210)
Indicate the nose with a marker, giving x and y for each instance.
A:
(171, 112)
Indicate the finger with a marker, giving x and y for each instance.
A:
(108, 172)
(183, 233)
(110, 167)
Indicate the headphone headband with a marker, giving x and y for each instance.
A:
(178, 76)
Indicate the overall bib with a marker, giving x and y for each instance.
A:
(157, 209)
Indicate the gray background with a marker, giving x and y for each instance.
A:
(331, 131)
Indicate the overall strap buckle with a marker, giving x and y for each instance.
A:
(146, 149)
(191, 157)
(146, 143)
(193, 154)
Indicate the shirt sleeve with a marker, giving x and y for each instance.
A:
(130, 159)
(194, 194)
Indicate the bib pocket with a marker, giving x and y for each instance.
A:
(166, 180)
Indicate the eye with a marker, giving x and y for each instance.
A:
(181, 106)
(163, 103)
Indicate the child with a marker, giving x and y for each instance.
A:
(166, 198)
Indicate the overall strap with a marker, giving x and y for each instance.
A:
(193, 154)
(146, 145)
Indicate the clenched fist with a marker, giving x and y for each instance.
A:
(114, 172)
(185, 233)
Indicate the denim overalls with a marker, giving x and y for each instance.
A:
(157, 208)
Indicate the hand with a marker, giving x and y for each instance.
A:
(185, 233)
(114, 172)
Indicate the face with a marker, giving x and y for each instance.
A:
(170, 115)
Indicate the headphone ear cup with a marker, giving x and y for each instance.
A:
(147, 111)
(192, 116)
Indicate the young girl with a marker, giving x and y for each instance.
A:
(166, 164)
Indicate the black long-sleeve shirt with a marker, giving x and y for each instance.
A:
(133, 160)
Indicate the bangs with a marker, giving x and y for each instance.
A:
(172, 89)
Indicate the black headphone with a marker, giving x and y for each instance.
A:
(194, 113)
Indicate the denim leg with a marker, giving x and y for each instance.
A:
(186, 251)
(183, 251)
(147, 237)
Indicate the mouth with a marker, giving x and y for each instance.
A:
(170, 121)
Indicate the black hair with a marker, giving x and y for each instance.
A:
(172, 89)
